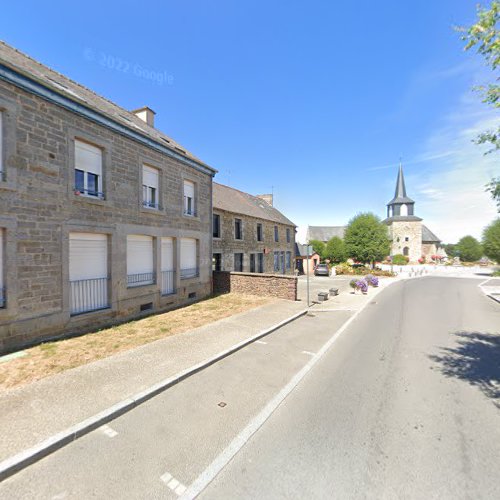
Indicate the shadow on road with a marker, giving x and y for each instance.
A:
(476, 360)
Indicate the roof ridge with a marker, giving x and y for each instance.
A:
(245, 193)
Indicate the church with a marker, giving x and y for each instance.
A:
(408, 235)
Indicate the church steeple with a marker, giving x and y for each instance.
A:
(401, 205)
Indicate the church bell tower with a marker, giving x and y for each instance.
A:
(405, 228)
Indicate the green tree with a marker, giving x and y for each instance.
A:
(491, 241)
(469, 249)
(318, 247)
(335, 250)
(493, 187)
(451, 250)
(366, 239)
(484, 36)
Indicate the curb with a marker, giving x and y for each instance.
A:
(28, 457)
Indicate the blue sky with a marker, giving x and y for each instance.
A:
(313, 100)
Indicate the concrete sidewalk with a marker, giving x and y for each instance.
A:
(38, 411)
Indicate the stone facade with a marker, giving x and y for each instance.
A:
(271, 285)
(226, 245)
(39, 208)
(406, 239)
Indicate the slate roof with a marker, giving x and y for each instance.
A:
(301, 250)
(29, 67)
(324, 233)
(402, 218)
(428, 236)
(400, 193)
(235, 201)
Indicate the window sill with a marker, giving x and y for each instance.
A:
(151, 211)
(83, 198)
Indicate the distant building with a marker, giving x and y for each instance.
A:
(301, 260)
(250, 234)
(408, 235)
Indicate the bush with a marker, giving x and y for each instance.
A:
(469, 249)
(400, 260)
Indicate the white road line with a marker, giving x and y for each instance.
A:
(174, 484)
(209, 474)
(106, 429)
(485, 281)
(260, 342)
(309, 352)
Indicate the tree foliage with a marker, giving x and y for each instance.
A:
(493, 187)
(484, 36)
(491, 241)
(335, 250)
(451, 250)
(366, 239)
(318, 247)
(469, 249)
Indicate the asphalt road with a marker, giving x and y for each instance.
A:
(404, 404)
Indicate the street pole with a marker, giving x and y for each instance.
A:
(307, 253)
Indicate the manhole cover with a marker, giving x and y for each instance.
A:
(222, 404)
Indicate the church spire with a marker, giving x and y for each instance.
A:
(401, 205)
(400, 183)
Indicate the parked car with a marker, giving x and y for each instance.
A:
(321, 270)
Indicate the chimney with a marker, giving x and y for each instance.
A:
(145, 114)
(268, 198)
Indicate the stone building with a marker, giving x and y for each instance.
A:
(102, 217)
(250, 234)
(408, 235)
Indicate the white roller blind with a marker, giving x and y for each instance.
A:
(167, 254)
(139, 254)
(189, 189)
(88, 256)
(150, 176)
(188, 253)
(88, 158)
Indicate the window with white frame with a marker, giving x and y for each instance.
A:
(189, 198)
(150, 187)
(167, 266)
(189, 258)
(140, 260)
(88, 170)
(2, 265)
(88, 272)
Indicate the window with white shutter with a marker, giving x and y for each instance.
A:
(189, 258)
(189, 198)
(88, 170)
(88, 272)
(167, 266)
(150, 187)
(140, 260)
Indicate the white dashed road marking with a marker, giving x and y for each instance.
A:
(309, 352)
(260, 342)
(106, 429)
(175, 485)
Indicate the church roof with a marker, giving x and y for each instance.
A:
(428, 236)
(400, 193)
(401, 218)
(324, 233)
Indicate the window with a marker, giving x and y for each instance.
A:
(140, 260)
(88, 272)
(252, 262)
(216, 225)
(238, 229)
(189, 258)
(259, 232)
(288, 235)
(2, 285)
(2, 171)
(276, 261)
(217, 262)
(260, 262)
(404, 210)
(276, 234)
(88, 170)
(238, 262)
(289, 260)
(167, 266)
(406, 238)
(406, 251)
(150, 190)
(189, 199)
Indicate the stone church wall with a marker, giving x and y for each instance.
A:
(406, 234)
